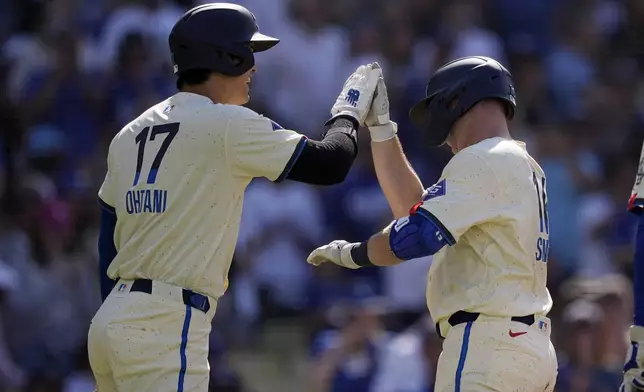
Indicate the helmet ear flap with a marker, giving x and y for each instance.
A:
(234, 60)
(231, 62)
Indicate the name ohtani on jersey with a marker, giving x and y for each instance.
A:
(139, 201)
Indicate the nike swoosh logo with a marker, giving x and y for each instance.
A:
(515, 334)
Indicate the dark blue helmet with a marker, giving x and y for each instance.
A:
(455, 88)
(220, 37)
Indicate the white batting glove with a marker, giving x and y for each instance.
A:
(380, 125)
(634, 367)
(338, 252)
(357, 94)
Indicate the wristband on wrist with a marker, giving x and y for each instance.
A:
(360, 255)
(381, 133)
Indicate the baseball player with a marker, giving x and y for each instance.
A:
(172, 199)
(485, 221)
(634, 367)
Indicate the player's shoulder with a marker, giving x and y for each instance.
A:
(496, 153)
(249, 119)
(197, 108)
(497, 146)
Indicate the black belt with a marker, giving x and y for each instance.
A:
(462, 317)
(190, 298)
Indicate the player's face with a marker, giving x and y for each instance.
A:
(231, 90)
(241, 88)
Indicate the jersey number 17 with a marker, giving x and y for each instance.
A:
(543, 242)
(171, 130)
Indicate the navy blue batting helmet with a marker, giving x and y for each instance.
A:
(220, 37)
(455, 88)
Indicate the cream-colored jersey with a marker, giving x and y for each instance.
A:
(491, 201)
(176, 178)
(636, 201)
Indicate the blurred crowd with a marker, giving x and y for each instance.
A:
(73, 72)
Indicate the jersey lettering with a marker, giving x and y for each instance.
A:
(543, 241)
(138, 201)
(171, 129)
(438, 189)
(154, 201)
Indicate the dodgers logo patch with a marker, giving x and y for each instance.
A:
(435, 190)
(352, 97)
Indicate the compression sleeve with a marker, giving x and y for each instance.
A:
(106, 248)
(329, 160)
(638, 274)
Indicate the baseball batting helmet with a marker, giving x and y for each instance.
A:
(455, 88)
(220, 37)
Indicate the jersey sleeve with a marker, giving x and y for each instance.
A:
(258, 147)
(106, 194)
(636, 201)
(467, 194)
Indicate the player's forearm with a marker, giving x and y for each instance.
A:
(328, 161)
(407, 238)
(397, 178)
(638, 274)
(379, 251)
(376, 251)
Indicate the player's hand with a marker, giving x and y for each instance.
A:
(380, 125)
(634, 367)
(356, 96)
(337, 252)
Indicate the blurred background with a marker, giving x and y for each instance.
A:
(73, 72)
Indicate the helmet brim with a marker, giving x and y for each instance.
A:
(262, 42)
(418, 113)
(420, 119)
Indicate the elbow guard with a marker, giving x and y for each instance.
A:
(416, 236)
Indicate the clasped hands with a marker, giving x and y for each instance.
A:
(364, 99)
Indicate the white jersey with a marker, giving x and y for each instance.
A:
(636, 201)
(491, 200)
(176, 179)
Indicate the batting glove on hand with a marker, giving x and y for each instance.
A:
(380, 125)
(634, 367)
(338, 252)
(356, 96)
